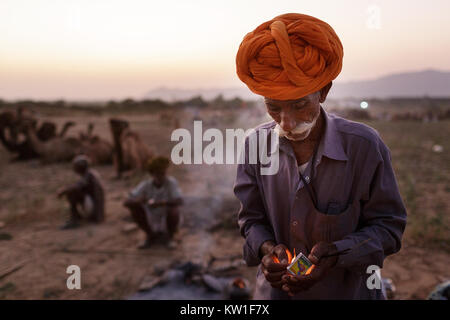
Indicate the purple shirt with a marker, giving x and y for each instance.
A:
(358, 198)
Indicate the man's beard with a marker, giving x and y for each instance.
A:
(300, 132)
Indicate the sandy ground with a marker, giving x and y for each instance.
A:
(111, 265)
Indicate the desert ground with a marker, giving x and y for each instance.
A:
(34, 252)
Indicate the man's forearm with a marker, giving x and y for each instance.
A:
(134, 201)
(372, 252)
(168, 203)
(173, 203)
(255, 236)
(69, 189)
(266, 248)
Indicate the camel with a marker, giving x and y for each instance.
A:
(61, 149)
(130, 152)
(11, 131)
(8, 132)
(88, 134)
(97, 149)
(56, 149)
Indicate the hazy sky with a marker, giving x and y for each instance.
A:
(100, 49)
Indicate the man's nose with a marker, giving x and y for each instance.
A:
(287, 123)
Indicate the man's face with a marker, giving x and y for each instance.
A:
(79, 169)
(296, 118)
(158, 178)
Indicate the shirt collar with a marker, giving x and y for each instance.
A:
(330, 144)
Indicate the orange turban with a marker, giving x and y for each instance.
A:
(289, 57)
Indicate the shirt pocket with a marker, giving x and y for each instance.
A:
(344, 222)
(334, 227)
(335, 208)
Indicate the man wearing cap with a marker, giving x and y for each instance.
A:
(86, 196)
(335, 190)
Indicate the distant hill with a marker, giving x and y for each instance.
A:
(430, 83)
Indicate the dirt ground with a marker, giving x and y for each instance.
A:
(111, 265)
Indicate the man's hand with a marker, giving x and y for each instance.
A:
(295, 284)
(155, 204)
(274, 271)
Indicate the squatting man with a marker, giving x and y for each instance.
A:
(86, 197)
(154, 204)
(335, 186)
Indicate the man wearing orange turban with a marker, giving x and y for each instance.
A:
(334, 197)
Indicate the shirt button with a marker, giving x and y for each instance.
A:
(307, 179)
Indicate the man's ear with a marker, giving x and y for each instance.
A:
(324, 92)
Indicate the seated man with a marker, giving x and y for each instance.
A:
(87, 193)
(154, 203)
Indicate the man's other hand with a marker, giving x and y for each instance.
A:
(273, 271)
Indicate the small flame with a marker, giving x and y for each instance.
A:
(289, 256)
(239, 283)
(310, 269)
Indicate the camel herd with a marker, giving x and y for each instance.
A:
(26, 138)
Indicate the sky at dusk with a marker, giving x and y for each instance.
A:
(106, 49)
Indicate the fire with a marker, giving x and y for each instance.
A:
(239, 283)
(289, 255)
(291, 258)
(310, 269)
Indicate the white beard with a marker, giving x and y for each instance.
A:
(299, 133)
